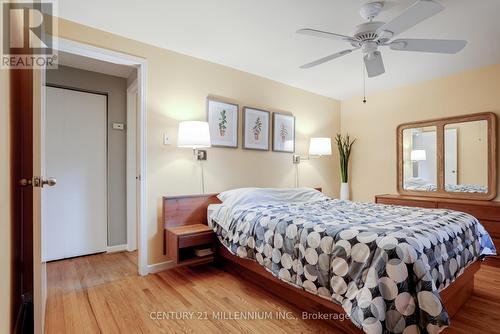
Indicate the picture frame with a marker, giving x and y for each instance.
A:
(223, 118)
(283, 132)
(256, 129)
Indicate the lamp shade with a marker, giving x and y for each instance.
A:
(193, 134)
(418, 155)
(320, 146)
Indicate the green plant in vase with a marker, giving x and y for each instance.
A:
(344, 145)
(257, 128)
(223, 123)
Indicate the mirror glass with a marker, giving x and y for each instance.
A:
(466, 157)
(419, 159)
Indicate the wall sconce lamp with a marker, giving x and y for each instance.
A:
(195, 135)
(317, 148)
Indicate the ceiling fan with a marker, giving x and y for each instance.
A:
(371, 35)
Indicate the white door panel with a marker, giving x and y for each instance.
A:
(450, 156)
(75, 211)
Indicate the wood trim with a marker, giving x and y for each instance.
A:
(21, 114)
(440, 124)
(495, 204)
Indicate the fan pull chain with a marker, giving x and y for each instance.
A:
(364, 83)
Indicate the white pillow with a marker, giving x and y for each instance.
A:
(253, 196)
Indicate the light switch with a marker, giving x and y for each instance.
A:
(118, 126)
(166, 139)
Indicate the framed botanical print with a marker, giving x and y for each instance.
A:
(256, 127)
(223, 123)
(283, 133)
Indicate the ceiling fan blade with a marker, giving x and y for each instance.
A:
(429, 45)
(418, 12)
(327, 58)
(374, 64)
(325, 34)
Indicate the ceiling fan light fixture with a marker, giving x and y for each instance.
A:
(369, 47)
(371, 10)
(372, 35)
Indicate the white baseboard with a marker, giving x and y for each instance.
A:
(117, 248)
(157, 267)
(131, 248)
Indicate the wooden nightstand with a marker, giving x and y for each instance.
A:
(182, 242)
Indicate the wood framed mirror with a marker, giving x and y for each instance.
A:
(452, 157)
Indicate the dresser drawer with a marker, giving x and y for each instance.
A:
(491, 213)
(190, 240)
(407, 202)
(493, 228)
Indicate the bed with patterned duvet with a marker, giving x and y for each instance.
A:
(384, 264)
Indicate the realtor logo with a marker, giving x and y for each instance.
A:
(27, 35)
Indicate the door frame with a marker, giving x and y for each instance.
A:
(140, 64)
(132, 96)
(38, 105)
(23, 198)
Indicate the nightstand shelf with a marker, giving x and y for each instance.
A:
(182, 241)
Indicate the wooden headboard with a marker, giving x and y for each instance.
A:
(188, 209)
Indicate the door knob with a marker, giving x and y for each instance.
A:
(38, 182)
(49, 181)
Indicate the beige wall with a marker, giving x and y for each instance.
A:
(472, 152)
(374, 123)
(5, 236)
(177, 89)
(116, 89)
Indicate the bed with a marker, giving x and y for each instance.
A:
(422, 185)
(391, 269)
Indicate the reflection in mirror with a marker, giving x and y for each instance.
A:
(419, 159)
(466, 157)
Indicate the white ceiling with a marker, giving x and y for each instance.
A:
(94, 65)
(258, 36)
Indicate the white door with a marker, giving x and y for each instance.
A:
(75, 211)
(450, 156)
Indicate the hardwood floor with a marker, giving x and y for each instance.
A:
(103, 294)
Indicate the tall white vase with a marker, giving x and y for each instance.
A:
(344, 191)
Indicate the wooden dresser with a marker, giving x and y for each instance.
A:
(487, 212)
